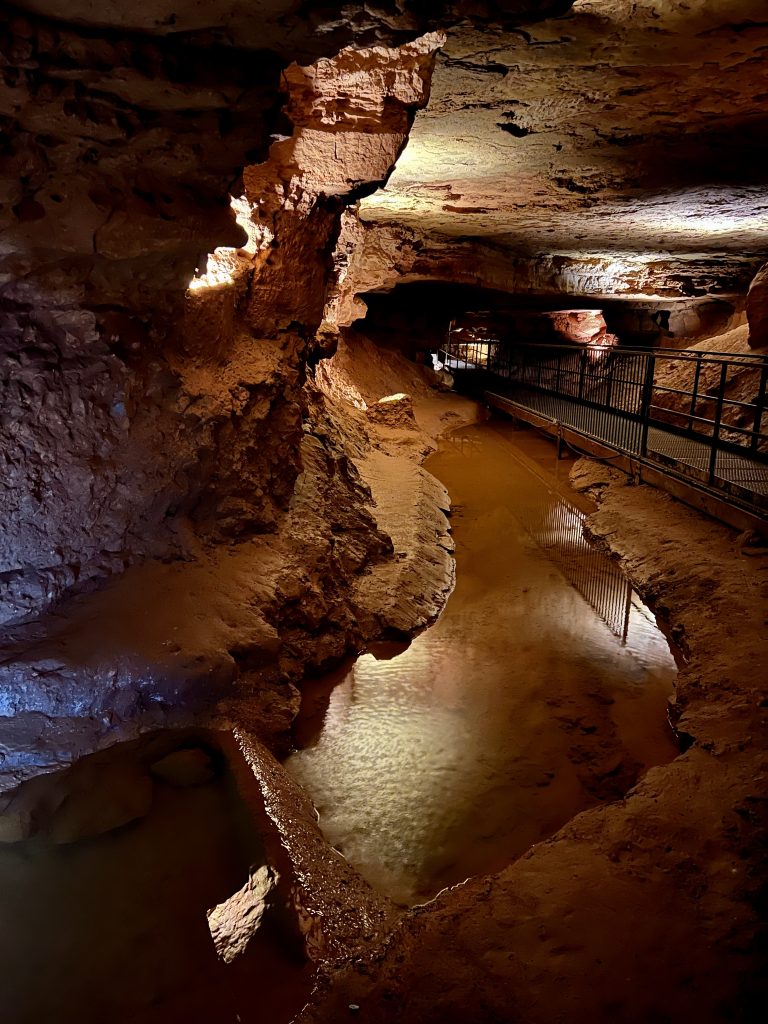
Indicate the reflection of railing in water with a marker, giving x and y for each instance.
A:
(558, 529)
(699, 416)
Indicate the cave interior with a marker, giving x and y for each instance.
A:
(236, 239)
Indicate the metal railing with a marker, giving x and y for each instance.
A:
(699, 414)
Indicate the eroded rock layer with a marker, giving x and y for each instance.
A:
(170, 438)
(622, 127)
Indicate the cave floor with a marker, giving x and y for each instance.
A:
(650, 908)
(520, 707)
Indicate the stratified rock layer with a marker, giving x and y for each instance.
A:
(623, 127)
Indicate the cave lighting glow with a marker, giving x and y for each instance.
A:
(705, 212)
(223, 263)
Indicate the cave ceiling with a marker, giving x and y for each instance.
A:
(624, 126)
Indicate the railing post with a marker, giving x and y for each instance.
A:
(718, 418)
(694, 396)
(646, 401)
(582, 368)
(609, 388)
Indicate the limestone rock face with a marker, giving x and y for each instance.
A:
(374, 256)
(615, 152)
(159, 437)
(351, 118)
(120, 158)
(124, 433)
(757, 309)
(115, 177)
(624, 126)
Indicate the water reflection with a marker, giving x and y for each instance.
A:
(103, 907)
(516, 710)
(558, 529)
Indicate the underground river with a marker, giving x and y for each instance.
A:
(540, 691)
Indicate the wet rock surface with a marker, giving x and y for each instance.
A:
(665, 883)
(757, 309)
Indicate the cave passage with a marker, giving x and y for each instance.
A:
(520, 707)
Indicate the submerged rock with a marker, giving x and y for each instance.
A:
(234, 922)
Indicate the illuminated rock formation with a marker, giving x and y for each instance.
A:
(757, 309)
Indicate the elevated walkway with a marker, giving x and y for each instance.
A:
(704, 444)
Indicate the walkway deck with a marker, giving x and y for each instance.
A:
(742, 478)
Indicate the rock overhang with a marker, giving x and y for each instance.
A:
(617, 130)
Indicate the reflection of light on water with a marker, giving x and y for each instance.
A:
(389, 753)
(455, 756)
(557, 527)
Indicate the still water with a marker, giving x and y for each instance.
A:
(113, 927)
(541, 690)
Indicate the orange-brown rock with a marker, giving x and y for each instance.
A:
(757, 309)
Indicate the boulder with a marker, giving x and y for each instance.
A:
(393, 411)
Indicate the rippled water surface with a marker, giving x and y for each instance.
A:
(540, 691)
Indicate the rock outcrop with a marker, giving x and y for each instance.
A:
(757, 309)
(162, 438)
(685, 295)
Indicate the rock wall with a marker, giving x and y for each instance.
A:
(757, 309)
(378, 256)
(130, 412)
(351, 118)
(181, 452)
(119, 153)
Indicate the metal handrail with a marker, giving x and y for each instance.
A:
(750, 359)
(621, 389)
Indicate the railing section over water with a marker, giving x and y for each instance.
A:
(699, 415)
(557, 528)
